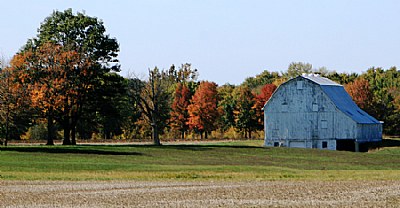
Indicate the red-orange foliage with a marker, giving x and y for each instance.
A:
(50, 72)
(14, 100)
(13, 92)
(47, 70)
(203, 110)
(266, 93)
(360, 92)
(179, 114)
(261, 99)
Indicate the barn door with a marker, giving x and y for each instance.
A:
(314, 126)
(314, 130)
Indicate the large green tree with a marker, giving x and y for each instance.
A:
(245, 112)
(107, 109)
(226, 107)
(298, 68)
(385, 86)
(265, 77)
(96, 56)
(113, 105)
(342, 78)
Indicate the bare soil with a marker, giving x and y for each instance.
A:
(200, 194)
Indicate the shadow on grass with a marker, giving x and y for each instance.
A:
(383, 144)
(95, 149)
(390, 143)
(192, 147)
(59, 150)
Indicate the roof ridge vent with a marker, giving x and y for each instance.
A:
(310, 75)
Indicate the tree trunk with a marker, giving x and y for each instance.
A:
(183, 135)
(249, 133)
(67, 133)
(73, 135)
(7, 125)
(74, 122)
(7, 131)
(107, 135)
(206, 134)
(156, 138)
(67, 124)
(50, 130)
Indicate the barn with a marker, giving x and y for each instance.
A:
(311, 111)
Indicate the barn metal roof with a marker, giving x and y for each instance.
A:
(342, 99)
(320, 80)
(343, 102)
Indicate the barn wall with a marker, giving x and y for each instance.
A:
(344, 127)
(369, 132)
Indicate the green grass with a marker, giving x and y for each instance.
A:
(243, 160)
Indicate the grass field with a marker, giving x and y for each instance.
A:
(236, 161)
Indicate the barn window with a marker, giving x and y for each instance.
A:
(314, 107)
(324, 124)
(299, 85)
(324, 144)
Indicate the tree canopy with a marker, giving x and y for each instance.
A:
(67, 60)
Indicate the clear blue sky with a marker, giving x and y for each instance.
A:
(229, 40)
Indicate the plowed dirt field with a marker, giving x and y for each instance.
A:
(200, 194)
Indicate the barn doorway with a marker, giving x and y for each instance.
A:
(346, 145)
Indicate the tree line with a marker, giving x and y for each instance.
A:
(64, 84)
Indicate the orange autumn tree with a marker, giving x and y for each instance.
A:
(203, 111)
(96, 55)
(7, 104)
(360, 91)
(48, 67)
(14, 102)
(179, 114)
(15, 99)
(266, 92)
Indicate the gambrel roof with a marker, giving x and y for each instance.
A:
(342, 99)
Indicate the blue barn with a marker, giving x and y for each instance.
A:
(310, 111)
